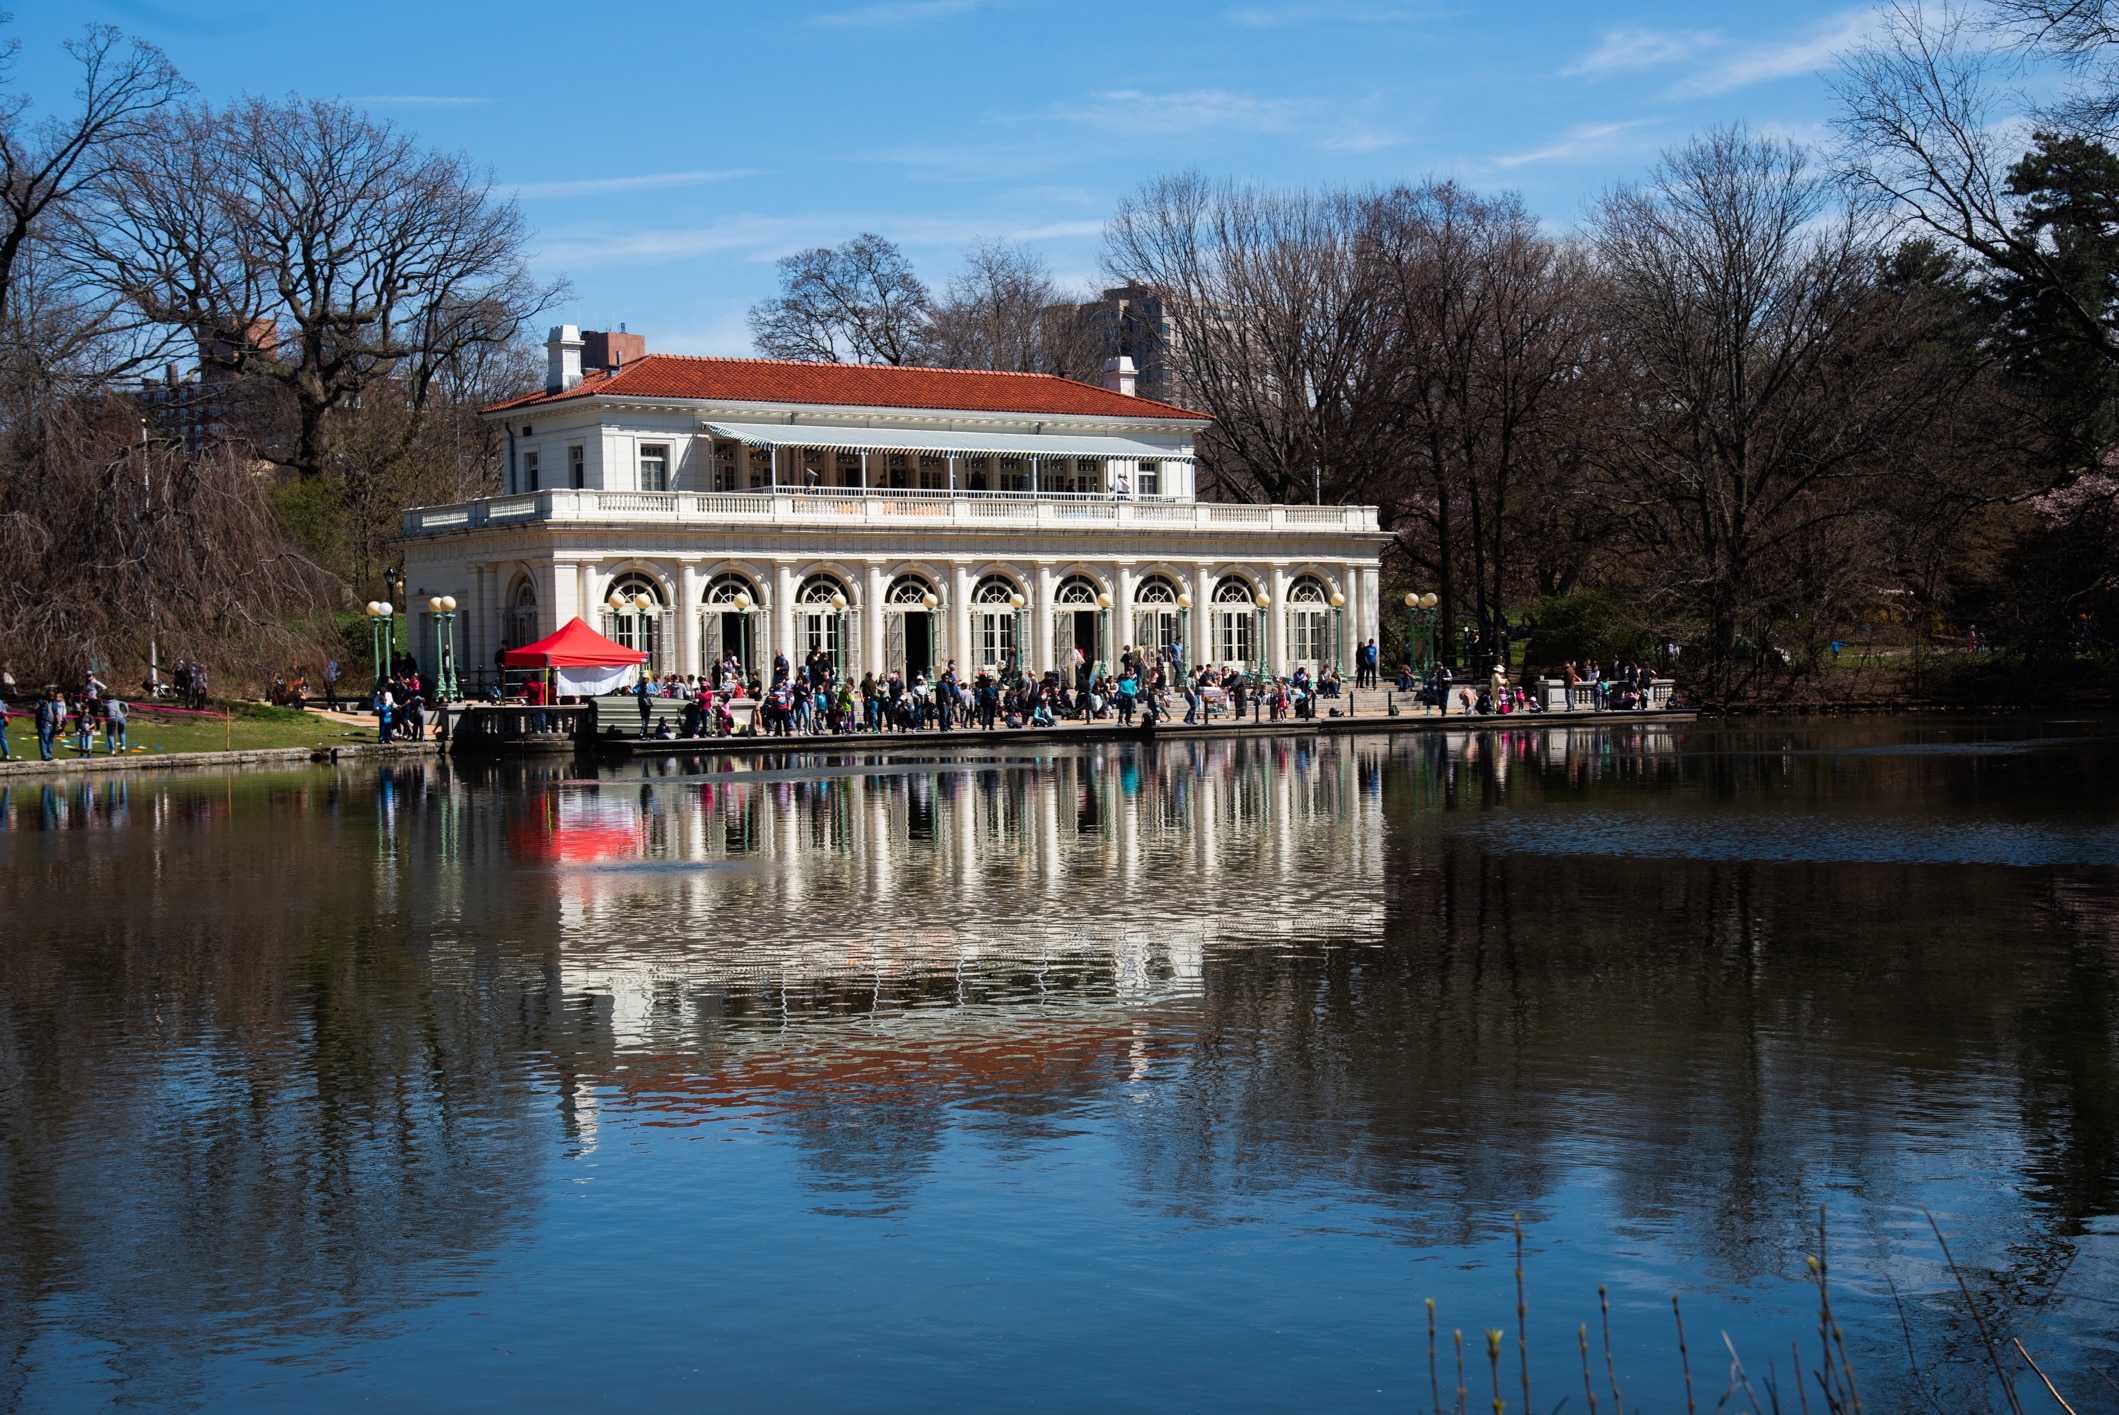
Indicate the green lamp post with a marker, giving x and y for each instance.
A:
(379, 625)
(443, 608)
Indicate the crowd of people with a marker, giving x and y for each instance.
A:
(812, 698)
(84, 713)
(1616, 687)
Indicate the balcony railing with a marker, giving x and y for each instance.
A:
(967, 509)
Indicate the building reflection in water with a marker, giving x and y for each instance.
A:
(283, 1055)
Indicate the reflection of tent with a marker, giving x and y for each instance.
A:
(584, 661)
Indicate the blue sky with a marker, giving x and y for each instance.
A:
(667, 153)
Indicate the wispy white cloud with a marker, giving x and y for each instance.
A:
(1583, 141)
(753, 237)
(417, 100)
(1781, 59)
(897, 12)
(1194, 110)
(1320, 12)
(1362, 138)
(1628, 50)
(652, 181)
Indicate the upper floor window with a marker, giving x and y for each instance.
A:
(654, 466)
(529, 471)
(577, 467)
(1151, 479)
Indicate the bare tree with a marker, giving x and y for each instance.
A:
(1918, 112)
(1271, 303)
(1763, 376)
(855, 303)
(1004, 311)
(308, 246)
(123, 88)
(1483, 336)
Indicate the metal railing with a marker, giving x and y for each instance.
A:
(843, 505)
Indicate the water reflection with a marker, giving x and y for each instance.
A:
(285, 1057)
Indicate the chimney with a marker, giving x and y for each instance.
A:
(609, 350)
(1119, 376)
(562, 353)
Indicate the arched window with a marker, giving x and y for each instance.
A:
(819, 589)
(1158, 625)
(1076, 589)
(627, 623)
(723, 589)
(1236, 623)
(911, 589)
(1311, 641)
(994, 614)
(522, 613)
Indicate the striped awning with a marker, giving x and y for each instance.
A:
(824, 438)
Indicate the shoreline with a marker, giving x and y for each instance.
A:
(631, 749)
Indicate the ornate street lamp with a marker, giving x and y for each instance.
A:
(1265, 602)
(838, 643)
(928, 602)
(443, 608)
(1419, 645)
(379, 625)
(1338, 634)
(1015, 648)
(1103, 632)
(1184, 629)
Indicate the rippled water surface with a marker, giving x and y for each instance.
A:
(1156, 1078)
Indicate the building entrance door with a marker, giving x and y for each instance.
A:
(919, 652)
(1085, 637)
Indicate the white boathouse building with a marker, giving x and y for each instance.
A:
(892, 518)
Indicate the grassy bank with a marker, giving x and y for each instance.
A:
(252, 727)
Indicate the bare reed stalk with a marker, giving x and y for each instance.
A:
(1434, 1376)
(1493, 1359)
(2051, 1389)
(1610, 1368)
(1683, 1359)
(2008, 1386)
(1588, 1387)
(1458, 1333)
(1522, 1318)
(1795, 1351)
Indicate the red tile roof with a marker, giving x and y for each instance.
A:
(857, 385)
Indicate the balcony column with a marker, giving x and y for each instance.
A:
(1041, 616)
(960, 611)
(872, 621)
(783, 617)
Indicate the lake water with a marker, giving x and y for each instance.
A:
(1045, 1078)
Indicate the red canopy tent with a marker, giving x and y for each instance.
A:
(576, 645)
(583, 662)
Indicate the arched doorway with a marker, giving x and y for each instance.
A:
(1158, 622)
(626, 621)
(820, 622)
(1236, 622)
(995, 605)
(908, 629)
(1077, 624)
(728, 623)
(1310, 626)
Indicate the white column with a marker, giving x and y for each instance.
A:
(783, 618)
(872, 621)
(1275, 646)
(1041, 618)
(1202, 630)
(556, 597)
(960, 608)
(689, 591)
(1121, 612)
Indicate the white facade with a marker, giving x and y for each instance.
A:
(838, 522)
